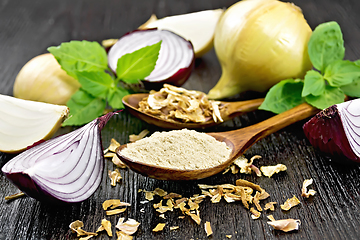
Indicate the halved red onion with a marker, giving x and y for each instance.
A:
(336, 130)
(176, 57)
(67, 168)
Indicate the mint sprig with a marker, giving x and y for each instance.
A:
(87, 62)
(330, 80)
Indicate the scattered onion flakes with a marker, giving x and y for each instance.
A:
(271, 218)
(255, 214)
(129, 227)
(285, 225)
(159, 227)
(115, 177)
(123, 236)
(105, 225)
(270, 206)
(271, 170)
(244, 165)
(76, 227)
(141, 135)
(208, 229)
(115, 211)
(110, 153)
(149, 195)
(15, 196)
(289, 203)
(114, 203)
(161, 208)
(174, 228)
(243, 191)
(178, 104)
(304, 191)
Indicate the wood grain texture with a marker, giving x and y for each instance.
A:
(27, 28)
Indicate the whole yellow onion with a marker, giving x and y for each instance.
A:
(42, 79)
(258, 44)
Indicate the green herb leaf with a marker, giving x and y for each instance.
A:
(115, 97)
(95, 83)
(352, 89)
(314, 84)
(340, 73)
(283, 96)
(84, 108)
(331, 96)
(137, 65)
(79, 56)
(326, 45)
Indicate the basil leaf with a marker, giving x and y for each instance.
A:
(115, 97)
(352, 89)
(330, 97)
(314, 84)
(95, 83)
(326, 45)
(137, 65)
(283, 96)
(340, 73)
(84, 108)
(79, 56)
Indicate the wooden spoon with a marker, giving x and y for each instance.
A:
(238, 140)
(131, 103)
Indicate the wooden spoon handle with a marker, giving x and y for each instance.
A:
(284, 119)
(245, 137)
(237, 108)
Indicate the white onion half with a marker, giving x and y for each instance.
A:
(67, 168)
(24, 122)
(176, 56)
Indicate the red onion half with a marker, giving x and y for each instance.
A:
(336, 130)
(67, 168)
(176, 57)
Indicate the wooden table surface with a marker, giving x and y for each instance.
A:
(27, 28)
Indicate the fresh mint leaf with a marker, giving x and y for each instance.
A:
(79, 56)
(137, 65)
(84, 108)
(352, 89)
(96, 83)
(331, 96)
(115, 97)
(326, 45)
(283, 96)
(341, 72)
(314, 84)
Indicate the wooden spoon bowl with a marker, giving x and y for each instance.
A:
(238, 140)
(233, 109)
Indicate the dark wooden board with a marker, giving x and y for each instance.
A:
(27, 28)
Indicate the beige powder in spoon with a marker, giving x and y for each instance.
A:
(180, 149)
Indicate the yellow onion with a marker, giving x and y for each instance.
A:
(42, 80)
(258, 44)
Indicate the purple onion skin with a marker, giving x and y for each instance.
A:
(178, 79)
(325, 132)
(31, 189)
(28, 186)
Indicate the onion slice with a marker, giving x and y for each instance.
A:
(336, 130)
(24, 122)
(176, 57)
(67, 168)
